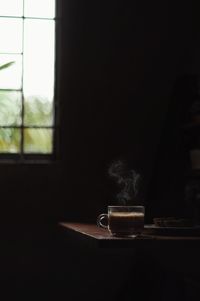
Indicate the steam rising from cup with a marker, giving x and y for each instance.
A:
(128, 179)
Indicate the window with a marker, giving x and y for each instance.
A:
(27, 77)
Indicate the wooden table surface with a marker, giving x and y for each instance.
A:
(103, 237)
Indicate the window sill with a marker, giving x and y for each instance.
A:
(49, 160)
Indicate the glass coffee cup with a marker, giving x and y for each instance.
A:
(123, 220)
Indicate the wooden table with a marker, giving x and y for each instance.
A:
(102, 238)
(177, 257)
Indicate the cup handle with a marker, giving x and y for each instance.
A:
(100, 218)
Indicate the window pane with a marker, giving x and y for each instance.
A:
(10, 108)
(38, 111)
(10, 78)
(9, 140)
(39, 59)
(11, 7)
(39, 8)
(38, 141)
(11, 35)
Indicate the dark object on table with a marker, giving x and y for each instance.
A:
(173, 222)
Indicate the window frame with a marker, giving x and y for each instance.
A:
(40, 158)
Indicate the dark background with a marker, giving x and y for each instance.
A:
(119, 62)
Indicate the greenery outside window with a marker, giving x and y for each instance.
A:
(27, 78)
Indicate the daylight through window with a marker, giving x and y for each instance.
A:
(27, 75)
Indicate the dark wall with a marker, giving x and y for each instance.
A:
(120, 61)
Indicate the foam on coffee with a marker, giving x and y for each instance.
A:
(126, 223)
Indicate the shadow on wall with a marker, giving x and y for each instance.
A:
(166, 194)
